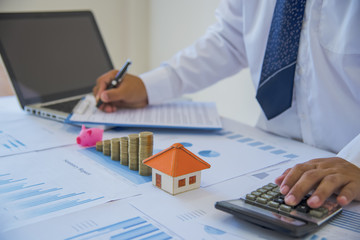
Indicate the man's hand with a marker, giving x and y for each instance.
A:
(131, 93)
(325, 176)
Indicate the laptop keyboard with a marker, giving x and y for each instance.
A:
(63, 106)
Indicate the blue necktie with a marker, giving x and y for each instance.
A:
(277, 75)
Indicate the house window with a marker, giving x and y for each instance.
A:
(192, 180)
(158, 180)
(181, 183)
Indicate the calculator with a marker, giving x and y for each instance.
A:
(266, 207)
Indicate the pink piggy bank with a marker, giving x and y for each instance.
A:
(89, 137)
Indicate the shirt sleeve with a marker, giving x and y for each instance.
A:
(351, 152)
(218, 54)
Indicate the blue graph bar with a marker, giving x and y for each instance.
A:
(159, 236)
(29, 193)
(57, 207)
(235, 136)
(244, 140)
(267, 147)
(22, 144)
(16, 187)
(45, 199)
(14, 145)
(3, 182)
(138, 232)
(277, 152)
(7, 146)
(113, 227)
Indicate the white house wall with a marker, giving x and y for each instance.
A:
(187, 186)
(170, 184)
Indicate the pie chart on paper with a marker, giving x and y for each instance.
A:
(209, 153)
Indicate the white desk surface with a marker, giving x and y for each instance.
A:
(70, 192)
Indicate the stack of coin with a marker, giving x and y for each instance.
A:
(145, 151)
(124, 151)
(99, 146)
(106, 147)
(133, 151)
(115, 149)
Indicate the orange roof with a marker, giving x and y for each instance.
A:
(176, 161)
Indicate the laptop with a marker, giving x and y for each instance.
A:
(53, 59)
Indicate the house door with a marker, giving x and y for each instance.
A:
(158, 180)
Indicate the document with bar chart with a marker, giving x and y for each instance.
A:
(115, 220)
(52, 183)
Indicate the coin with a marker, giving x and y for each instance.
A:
(145, 151)
(133, 151)
(115, 149)
(124, 160)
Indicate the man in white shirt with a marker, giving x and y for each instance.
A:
(325, 108)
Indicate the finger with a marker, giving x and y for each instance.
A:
(280, 179)
(113, 95)
(328, 185)
(95, 90)
(304, 184)
(109, 108)
(293, 176)
(348, 193)
(103, 81)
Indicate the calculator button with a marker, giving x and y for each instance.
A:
(268, 188)
(323, 210)
(273, 194)
(262, 190)
(273, 185)
(276, 189)
(280, 200)
(250, 197)
(273, 204)
(316, 213)
(285, 208)
(256, 193)
(267, 197)
(303, 208)
(261, 200)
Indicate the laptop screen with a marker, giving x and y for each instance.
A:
(52, 55)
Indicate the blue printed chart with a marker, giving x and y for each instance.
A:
(230, 153)
(136, 227)
(54, 182)
(114, 220)
(115, 166)
(10, 144)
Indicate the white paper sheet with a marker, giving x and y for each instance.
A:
(184, 114)
(41, 185)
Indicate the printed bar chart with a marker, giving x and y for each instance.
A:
(34, 200)
(131, 228)
(40, 190)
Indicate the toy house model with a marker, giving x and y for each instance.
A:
(176, 169)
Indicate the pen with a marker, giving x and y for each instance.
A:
(117, 80)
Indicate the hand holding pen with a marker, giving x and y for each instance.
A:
(117, 80)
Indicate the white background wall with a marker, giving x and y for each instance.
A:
(151, 31)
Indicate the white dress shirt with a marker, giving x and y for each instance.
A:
(325, 111)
